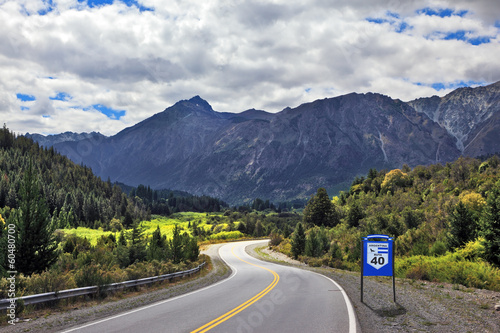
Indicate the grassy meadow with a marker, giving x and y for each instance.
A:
(216, 224)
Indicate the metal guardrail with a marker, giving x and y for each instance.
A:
(63, 294)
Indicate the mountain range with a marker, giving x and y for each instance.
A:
(288, 155)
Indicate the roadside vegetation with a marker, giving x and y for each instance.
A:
(445, 220)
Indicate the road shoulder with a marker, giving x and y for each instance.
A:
(420, 305)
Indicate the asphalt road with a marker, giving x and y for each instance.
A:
(258, 297)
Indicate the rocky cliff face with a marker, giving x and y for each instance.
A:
(288, 155)
(465, 113)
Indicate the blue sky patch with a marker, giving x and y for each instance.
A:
(441, 12)
(480, 40)
(464, 36)
(130, 3)
(25, 97)
(24, 108)
(393, 19)
(393, 15)
(451, 85)
(377, 20)
(438, 86)
(49, 7)
(109, 112)
(458, 35)
(61, 96)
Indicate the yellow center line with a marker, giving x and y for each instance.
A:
(238, 309)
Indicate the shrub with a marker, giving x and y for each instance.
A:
(438, 249)
(451, 268)
(276, 239)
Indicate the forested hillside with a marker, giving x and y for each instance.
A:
(43, 195)
(74, 195)
(445, 220)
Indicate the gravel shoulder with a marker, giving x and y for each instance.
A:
(420, 306)
(60, 318)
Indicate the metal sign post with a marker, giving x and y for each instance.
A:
(377, 259)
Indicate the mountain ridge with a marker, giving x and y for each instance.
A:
(288, 154)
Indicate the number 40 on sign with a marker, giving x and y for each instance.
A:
(377, 258)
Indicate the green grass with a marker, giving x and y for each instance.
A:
(91, 234)
(167, 225)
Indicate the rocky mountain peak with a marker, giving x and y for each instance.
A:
(462, 110)
(196, 103)
(288, 155)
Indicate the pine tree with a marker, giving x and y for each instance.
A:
(490, 226)
(320, 211)
(354, 215)
(36, 246)
(137, 245)
(157, 246)
(192, 250)
(313, 246)
(176, 245)
(462, 226)
(298, 241)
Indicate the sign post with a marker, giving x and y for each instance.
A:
(377, 259)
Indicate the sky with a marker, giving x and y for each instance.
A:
(104, 65)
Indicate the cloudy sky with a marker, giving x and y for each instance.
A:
(103, 65)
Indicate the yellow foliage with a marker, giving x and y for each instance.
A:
(2, 220)
(472, 200)
(394, 178)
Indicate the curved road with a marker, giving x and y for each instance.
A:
(258, 297)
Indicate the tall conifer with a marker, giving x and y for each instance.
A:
(36, 246)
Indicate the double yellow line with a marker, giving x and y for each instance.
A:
(243, 306)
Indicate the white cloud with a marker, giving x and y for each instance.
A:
(236, 54)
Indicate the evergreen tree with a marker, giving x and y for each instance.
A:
(157, 246)
(259, 229)
(176, 246)
(122, 239)
(320, 211)
(137, 245)
(298, 241)
(36, 246)
(313, 246)
(490, 226)
(462, 226)
(354, 215)
(192, 250)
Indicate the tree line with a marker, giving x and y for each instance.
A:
(41, 191)
(74, 195)
(166, 202)
(429, 210)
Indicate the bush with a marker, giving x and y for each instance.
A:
(276, 239)
(451, 268)
(438, 249)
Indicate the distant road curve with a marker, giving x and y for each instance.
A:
(258, 297)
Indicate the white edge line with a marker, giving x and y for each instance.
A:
(234, 271)
(350, 309)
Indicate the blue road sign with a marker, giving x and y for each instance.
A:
(378, 256)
